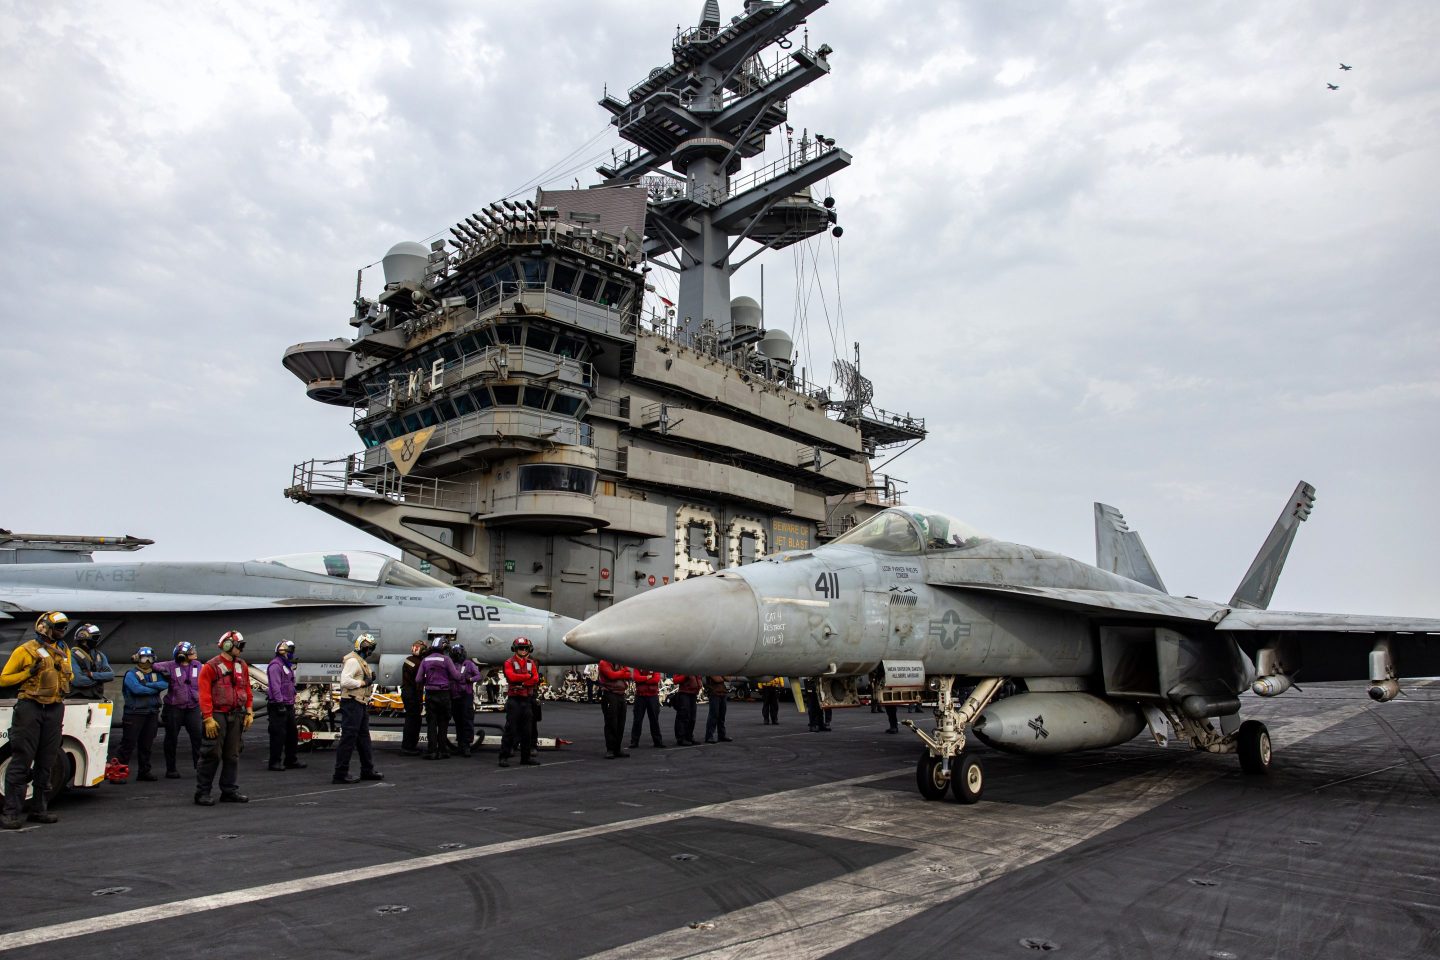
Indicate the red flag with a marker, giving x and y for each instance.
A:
(667, 301)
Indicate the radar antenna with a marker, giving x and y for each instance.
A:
(858, 390)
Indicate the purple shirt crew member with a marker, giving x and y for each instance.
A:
(436, 675)
(280, 708)
(180, 710)
(462, 699)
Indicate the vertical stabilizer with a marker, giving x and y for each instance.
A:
(1118, 549)
(1258, 586)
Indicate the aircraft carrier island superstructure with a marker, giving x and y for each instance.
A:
(531, 428)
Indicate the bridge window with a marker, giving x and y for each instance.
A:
(567, 406)
(483, 400)
(506, 395)
(534, 270)
(464, 405)
(535, 397)
(540, 339)
(589, 286)
(564, 278)
(545, 477)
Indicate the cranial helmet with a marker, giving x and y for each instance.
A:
(231, 641)
(86, 634)
(365, 644)
(52, 625)
(144, 653)
(182, 649)
(522, 643)
(440, 644)
(457, 652)
(285, 648)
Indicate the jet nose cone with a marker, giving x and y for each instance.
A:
(556, 650)
(701, 625)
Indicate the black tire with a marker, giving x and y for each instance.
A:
(930, 778)
(60, 775)
(1253, 743)
(967, 781)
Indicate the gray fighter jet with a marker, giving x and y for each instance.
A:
(1089, 655)
(322, 601)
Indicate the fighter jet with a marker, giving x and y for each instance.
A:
(1345, 66)
(1333, 86)
(322, 601)
(1095, 654)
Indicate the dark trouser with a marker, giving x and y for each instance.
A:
(34, 752)
(816, 716)
(176, 719)
(137, 737)
(462, 709)
(715, 721)
(770, 704)
(612, 706)
(519, 727)
(414, 714)
(890, 713)
(684, 717)
(283, 736)
(589, 690)
(223, 753)
(646, 707)
(437, 716)
(354, 736)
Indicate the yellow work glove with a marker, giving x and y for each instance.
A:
(212, 728)
(249, 719)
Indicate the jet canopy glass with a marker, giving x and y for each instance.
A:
(360, 566)
(911, 530)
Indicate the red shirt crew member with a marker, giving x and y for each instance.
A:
(226, 709)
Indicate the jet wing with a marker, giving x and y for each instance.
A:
(84, 602)
(1142, 605)
(1272, 620)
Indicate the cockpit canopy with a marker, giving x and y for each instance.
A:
(912, 530)
(357, 566)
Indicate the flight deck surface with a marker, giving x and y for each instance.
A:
(783, 843)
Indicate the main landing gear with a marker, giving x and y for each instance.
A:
(944, 765)
(1252, 742)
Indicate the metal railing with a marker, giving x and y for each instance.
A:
(809, 150)
(350, 476)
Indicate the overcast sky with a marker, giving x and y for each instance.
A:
(1123, 251)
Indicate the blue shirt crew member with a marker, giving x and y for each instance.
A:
(462, 699)
(357, 686)
(523, 677)
(40, 667)
(180, 710)
(718, 693)
(280, 708)
(142, 689)
(90, 667)
(436, 676)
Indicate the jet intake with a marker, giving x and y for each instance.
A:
(1043, 724)
(1272, 686)
(1385, 691)
(1198, 707)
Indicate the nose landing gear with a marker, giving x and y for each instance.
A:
(944, 765)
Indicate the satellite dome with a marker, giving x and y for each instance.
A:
(406, 261)
(744, 314)
(777, 345)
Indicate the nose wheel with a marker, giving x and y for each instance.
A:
(931, 777)
(1252, 742)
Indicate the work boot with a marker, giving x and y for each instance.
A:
(277, 767)
(234, 798)
(42, 816)
(11, 823)
(531, 762)
(344, 778)
(204, 800)
(296, 765)
(148, 777)
(660, 744)
(172, 774)
(371, 775)
(504, 762)
(725, 739)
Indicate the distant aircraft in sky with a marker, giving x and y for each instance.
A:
(1346, 66)
(1332, 86)
(922, 602)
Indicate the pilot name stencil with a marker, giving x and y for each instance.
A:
(900, 572)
